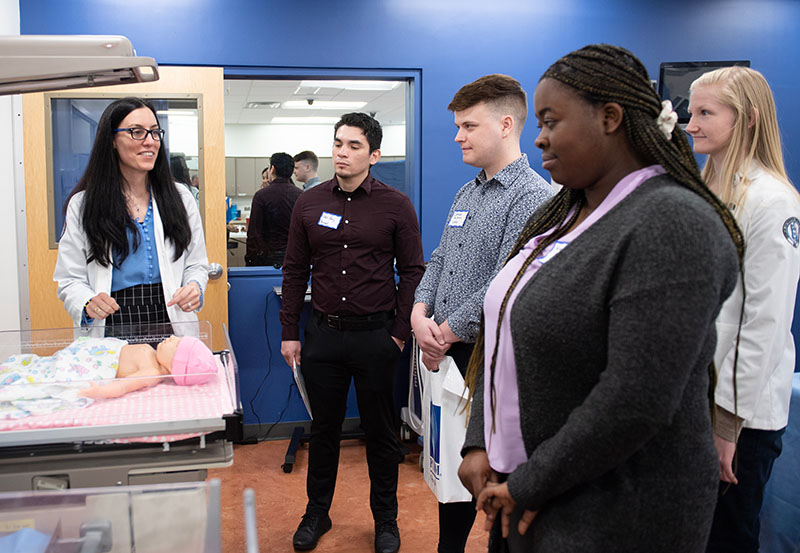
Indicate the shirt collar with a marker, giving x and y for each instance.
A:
(750, 173)
(506, 176)
(281, 180)
(366, 185)
(311, 182)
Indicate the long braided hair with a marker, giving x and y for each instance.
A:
(603, 73)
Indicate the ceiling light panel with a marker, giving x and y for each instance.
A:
(305, 120)
(322, 104)
(352, 85)
(262, 105)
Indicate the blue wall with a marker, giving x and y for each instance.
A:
(452, 42)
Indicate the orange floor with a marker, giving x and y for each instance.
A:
(281, 499)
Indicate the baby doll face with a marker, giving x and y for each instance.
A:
(165, 351)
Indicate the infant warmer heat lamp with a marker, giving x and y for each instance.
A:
(37, 63)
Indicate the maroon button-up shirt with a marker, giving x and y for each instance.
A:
(353, 241)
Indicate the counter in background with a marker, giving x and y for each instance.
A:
(237, 243)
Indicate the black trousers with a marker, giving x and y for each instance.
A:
(455, 522)
(736, 526)
(330, 359)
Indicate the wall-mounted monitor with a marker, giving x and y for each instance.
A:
(675, 78)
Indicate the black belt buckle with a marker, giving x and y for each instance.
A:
(334, 321)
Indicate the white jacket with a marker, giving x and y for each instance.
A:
(79, 281)
(769, 219)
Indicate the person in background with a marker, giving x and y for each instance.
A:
(590, 426)
(485, 220)
(270, 214)
(306, 164)
(734, 122)
(180, 172)
(132, 251)
(349, 234)
(264, 178)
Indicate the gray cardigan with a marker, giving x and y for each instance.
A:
(612, 340)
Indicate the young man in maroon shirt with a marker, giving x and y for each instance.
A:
(349, 234)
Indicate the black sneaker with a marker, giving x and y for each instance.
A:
(387, 537)
(310, 530)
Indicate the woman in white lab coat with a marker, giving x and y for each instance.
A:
(132, 251)
(734, 122)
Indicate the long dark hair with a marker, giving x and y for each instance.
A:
(105, 214)
(603, 73)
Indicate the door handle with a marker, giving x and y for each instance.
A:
(214, 271)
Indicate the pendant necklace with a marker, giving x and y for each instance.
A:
(133, 204)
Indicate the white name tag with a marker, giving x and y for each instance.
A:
(458, 218)
(329, 220)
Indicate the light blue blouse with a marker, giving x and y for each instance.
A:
(141, 265)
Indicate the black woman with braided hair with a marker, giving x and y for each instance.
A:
(590, 424)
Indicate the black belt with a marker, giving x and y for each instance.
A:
(354, 322)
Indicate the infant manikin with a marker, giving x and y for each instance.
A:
(93, 368)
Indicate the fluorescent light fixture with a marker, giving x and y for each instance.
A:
(262, 105)
(305, 120)
(35, 63)
(352, 85)
(178, 112)
(322, 104)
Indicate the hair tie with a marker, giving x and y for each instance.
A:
(667, 119)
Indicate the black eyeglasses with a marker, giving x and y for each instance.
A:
(139, 133)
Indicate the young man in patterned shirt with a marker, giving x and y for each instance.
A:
(485, 220)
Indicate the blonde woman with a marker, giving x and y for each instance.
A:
(734, 122)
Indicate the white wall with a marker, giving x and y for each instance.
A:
(183, 135)
(9, 281)
(265, 140)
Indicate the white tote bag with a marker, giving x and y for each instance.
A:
(445, 425)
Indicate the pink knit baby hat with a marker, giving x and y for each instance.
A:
(193, 362)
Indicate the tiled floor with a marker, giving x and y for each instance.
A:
(281, 499)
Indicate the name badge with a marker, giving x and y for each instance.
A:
(329, 220)
(458, 218)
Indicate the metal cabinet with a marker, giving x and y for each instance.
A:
(243, 175)
(246, 176)
(230, 176)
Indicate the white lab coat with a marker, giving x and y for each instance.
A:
(766, 349)
(79, 281)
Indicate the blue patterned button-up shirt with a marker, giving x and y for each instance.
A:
(484, 222)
